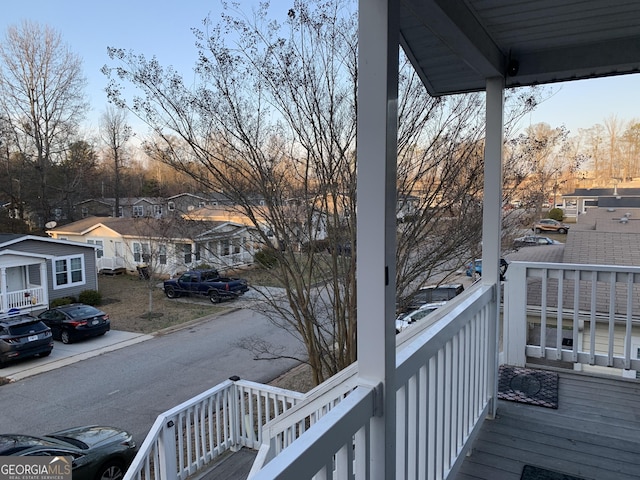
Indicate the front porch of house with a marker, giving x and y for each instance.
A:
(605, 446)
(449, 422)
(422, 405)
(23, 283)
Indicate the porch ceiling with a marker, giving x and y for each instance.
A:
(456, 44)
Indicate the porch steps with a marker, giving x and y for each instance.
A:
(232, 466)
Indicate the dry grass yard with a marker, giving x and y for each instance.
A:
(126, 299)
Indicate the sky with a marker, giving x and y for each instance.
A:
(163, 29)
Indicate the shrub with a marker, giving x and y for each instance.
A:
(90, 297)
(203, 266)
(556, 214)
(266, 258)
(56, 302)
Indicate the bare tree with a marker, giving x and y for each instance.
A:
(545, 159)
(272, 124)
(631, 150)
(71, 179)
(614, 128)
(41, 98)
(115, 133)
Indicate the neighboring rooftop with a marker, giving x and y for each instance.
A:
(603, 236)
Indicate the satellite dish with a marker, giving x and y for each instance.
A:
(51, 224)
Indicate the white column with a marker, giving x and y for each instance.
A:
(376, 205)
(492, 205)
(44, 283)
(492, 217)
(3, 290)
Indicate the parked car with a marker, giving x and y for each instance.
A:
(476, 266)
(75, 321)
(207, 283)
(550, 225)
(23, 336)
(432, 294)
(533, 240)
(405, 320)
(98, 453)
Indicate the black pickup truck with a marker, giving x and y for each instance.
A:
(206, 283)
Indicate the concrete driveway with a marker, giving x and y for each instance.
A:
(62, 354)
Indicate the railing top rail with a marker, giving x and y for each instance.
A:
(198, 398)
(269, 388)
(574, 266)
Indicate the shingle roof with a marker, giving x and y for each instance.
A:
(599, 237)
(140, 227)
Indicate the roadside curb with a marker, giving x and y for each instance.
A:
(27, 369)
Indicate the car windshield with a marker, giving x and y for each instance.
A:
(83, 312)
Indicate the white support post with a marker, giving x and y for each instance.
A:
(515, 316)
(167, 453)
(4, 307)
(44, 283)
(492, 217)
(378, 46)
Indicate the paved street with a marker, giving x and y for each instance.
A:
(129, 386)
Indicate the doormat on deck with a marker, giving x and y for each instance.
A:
(524, 385)
(529, 472)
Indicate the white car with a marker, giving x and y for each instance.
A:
(405, 320)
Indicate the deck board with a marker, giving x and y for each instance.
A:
(593, 434)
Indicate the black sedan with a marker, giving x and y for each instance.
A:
(97, 453)
(72, 322)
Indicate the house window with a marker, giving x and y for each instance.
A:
(157, 210)
(201, 204)
(185, 250)
(171, 206)
(162, 254)
(68, 271)
(225, 247)
(138, 210)
(85, 212)
(141, 252)
(57, 212)
(100, 245)
(120, 211)
(197, 252)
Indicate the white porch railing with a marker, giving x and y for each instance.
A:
(281, 432)
(110, 264)
(597, 308)
(185, 439)
(445, 383)
(445, 376)
(23, 300)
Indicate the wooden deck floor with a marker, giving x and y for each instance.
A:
(234, 466)
(594, 434)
